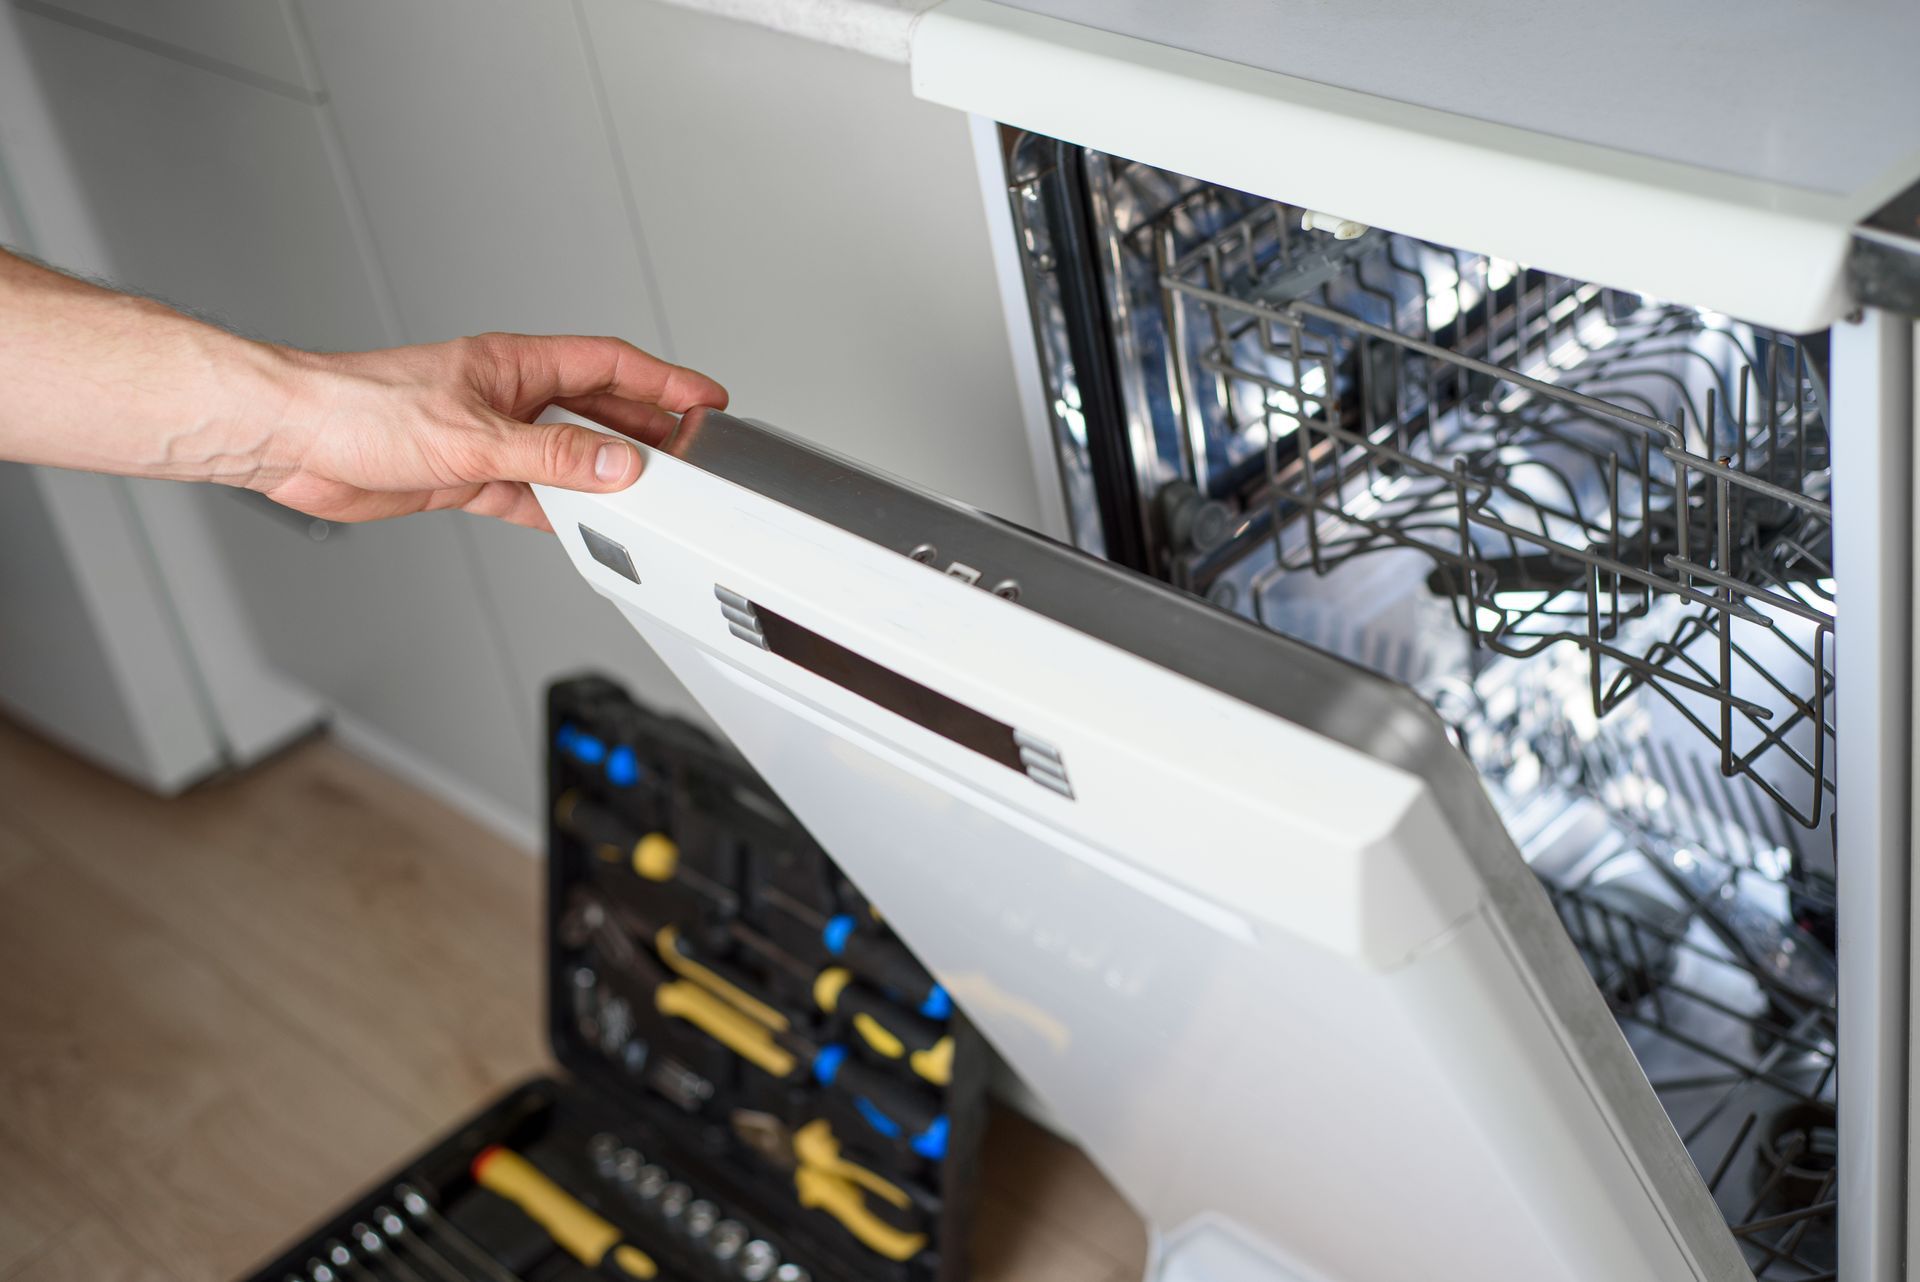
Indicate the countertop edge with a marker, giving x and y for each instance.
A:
(878, 28)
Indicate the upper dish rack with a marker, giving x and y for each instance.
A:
(1580, 466)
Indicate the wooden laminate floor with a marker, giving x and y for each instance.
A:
(220, 1015)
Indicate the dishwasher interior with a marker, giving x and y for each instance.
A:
(1592, 529)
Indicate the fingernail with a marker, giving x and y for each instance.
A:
(611, 461)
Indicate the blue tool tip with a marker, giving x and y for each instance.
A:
(623, 768)
(878, 1120)
(932, 1142)
(578, 744)
(826, 1064)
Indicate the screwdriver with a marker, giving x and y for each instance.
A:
(880, 1023)
(891, 1032)
(654, 855)
(577, 1230)
(879, 959)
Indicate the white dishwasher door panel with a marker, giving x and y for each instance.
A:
(1239, 913)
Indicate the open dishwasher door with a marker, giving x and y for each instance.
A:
(1239, 912)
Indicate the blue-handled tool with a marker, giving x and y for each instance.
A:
(891, 1107)
(873, 955)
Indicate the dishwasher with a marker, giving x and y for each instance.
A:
(1434, 821)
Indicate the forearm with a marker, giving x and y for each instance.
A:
(100, 381)
(106, 382)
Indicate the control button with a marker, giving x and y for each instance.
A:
(608, 553)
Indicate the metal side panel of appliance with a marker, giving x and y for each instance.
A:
(1235, 909)
(1766, 250)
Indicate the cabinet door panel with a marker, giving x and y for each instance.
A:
(481, 156)
(207, 192)
(251, 37)
(388, 620)
(88, 653)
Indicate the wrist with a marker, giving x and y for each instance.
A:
(215, 401)
(266, 409)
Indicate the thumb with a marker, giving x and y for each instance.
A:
(564, 455)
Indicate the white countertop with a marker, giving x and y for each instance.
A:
(1823, 97)
(876, 27)
(1819, 97)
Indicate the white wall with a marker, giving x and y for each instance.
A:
(353, 173)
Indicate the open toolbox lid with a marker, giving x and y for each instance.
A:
(1238, 912)
(711, 894)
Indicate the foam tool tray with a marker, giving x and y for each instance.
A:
(756, 1081)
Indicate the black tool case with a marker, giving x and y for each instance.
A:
(757, 1082)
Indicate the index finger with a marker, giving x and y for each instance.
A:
(550, 368)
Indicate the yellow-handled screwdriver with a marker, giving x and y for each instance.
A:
(926, 1047)
(882, 1025)
(653, 855)
(577, 1230)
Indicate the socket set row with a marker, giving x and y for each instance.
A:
(730, 1243)
(412, 1244)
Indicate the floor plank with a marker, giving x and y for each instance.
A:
(396, 930)
(93, 1250)
(1059, 1194)
(18, 847)
(1010, 1245)
(37, 1206)
(199, 1121)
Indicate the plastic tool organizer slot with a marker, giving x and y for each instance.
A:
(760, 1083)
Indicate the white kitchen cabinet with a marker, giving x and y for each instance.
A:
(227, 198)
(121, 636)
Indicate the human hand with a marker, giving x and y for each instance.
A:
(367, 435)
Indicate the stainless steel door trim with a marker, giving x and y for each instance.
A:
(1873, 405)
(1883, 267)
